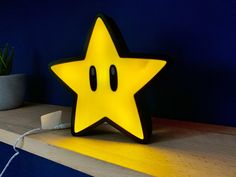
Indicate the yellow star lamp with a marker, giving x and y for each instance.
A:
(105, 82)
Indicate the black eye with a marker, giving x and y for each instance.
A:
(113, 78)
(93, 78)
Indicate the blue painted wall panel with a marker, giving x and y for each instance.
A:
(198, 38)
(29, 165)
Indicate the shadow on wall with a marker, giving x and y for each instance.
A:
(191, 88)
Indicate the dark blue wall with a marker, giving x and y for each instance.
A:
(29, 165)
(198, 37)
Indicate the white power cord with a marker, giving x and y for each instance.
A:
(46, 124)
(20, 138)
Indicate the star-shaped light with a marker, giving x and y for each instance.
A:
(105, 84)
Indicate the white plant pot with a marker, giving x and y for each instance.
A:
(12, 91)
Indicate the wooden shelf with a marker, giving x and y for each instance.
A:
(178, 148)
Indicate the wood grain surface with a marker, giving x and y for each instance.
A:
(178, 148)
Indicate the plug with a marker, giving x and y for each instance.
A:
(51, 120)
(62, 126)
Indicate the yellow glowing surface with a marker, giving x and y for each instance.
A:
(118, 106)
(147, 159)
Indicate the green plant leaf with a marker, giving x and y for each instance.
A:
(9, 60)
(5, 52)
(2, 62)
(6, 59)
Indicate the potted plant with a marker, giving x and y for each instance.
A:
(12, 86)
